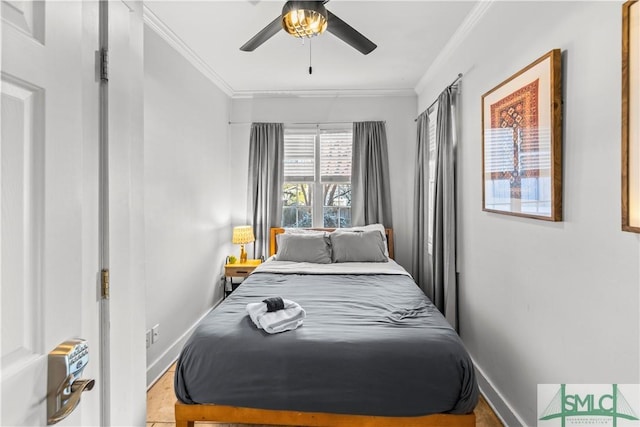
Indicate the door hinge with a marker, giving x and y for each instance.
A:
(104, 65)
(104, 283)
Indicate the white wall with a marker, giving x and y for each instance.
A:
(547, 302)
(187, 197)
(398, 112)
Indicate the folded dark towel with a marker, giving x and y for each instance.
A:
(274, 304)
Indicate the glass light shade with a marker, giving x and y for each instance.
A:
(242, 235)
(304, 18)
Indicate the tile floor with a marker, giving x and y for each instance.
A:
(161, 398)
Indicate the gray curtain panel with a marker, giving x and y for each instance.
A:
(436, 273)
(444, 227)
(370, 189)
(266, 176)
(421, 261)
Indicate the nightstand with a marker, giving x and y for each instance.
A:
(238, 270)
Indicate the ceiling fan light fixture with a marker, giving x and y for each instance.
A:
(304, 18)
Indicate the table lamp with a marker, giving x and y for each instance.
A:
(241, 236)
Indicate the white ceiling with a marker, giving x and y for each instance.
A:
(410, 35)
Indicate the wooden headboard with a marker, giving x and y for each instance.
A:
(273, 242)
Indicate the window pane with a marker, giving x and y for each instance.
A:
(432, 175)
(337, 194)
(299, 155)
(335, 155)
(296, 205)
(337, 205)
(305, 218)
(296, 194)
(296, 216)
(337, 217)
(331, 218)
(345, 217)
(289, 216)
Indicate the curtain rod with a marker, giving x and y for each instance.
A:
(434, 102)
(305, 123)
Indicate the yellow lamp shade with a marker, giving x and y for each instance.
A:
(243, 235)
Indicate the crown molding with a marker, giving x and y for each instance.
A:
(469, 23)
(160, 28)
(324, 93)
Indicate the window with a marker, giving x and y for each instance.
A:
(317, 167)
(433, 114)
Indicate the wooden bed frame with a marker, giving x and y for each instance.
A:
(186, 415)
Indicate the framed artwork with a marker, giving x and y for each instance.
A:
(631, 116)
(522, 142)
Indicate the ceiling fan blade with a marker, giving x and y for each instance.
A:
(348, 34)
(265, 34)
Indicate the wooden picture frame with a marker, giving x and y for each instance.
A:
(631, 116)
(522, 142)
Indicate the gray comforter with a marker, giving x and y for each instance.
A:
(371, 344)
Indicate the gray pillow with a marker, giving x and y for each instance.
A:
(304, 248)
(369, 227)
(358, 246)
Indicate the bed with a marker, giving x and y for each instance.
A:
(372, 350)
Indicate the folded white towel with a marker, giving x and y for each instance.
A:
(287, 319)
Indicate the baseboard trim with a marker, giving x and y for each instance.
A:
(158, 367)
(507, 415)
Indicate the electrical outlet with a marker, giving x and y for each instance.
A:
(155, 334)
(148, 338)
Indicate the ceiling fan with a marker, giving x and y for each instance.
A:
(308, 19)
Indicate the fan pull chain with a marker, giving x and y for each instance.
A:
(310, 67)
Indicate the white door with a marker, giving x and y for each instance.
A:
(49, 205)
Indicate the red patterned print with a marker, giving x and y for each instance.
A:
(519, 109)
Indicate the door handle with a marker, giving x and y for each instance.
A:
(65, 387)
(69, 401)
